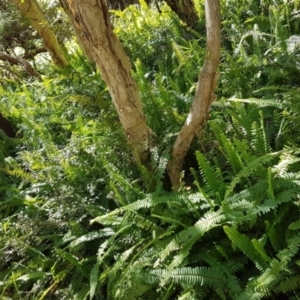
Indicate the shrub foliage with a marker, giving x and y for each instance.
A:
(79, 219)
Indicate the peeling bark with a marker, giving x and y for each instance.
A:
(20, 61)
(92, 19)
(32, 11)
(65, 5)
(204, 97)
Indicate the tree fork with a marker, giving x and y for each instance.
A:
(204, 97)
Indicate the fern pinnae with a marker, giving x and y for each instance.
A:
(251, 294)
(260, 249)
(228, 268)
(170, 220)
(92, 236)
(149, 201)
(288, 284)
(244, 244)
(242, 147)
(193, 233)
(211, 277)
(228, 149)
(235, 212)
(210, 176)
(259, 102)
(248, 169)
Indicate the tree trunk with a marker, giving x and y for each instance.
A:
(78, 32)
(91, 17)
(186, 11)
(31, 10)
(7, 127)
(204, 94)
(122, 4)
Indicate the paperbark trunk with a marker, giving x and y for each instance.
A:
(65, 5)
(185, 10)
(92, 20)
(204, 97)
(31, 10)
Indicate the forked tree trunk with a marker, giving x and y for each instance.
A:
(186, 11)
(31, 10)
(91, 17)
(204, 97)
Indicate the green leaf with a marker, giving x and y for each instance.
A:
(34, 275)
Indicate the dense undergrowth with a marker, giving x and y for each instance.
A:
(77, 218)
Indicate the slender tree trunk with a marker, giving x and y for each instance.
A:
(31, 10)
(204, 94)
(186, 11)
(91, 17)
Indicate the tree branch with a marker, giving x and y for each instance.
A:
(14, 60)
(31, 54)
(31, 10)
(204, 97)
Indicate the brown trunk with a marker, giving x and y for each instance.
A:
(204, 94)
(92, 19)
(7, 127)
(122, 4)
(31, 10)
(186, 11)
(64, 4)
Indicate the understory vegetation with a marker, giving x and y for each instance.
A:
(80, 220)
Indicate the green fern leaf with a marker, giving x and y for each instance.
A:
(188, 237)
(295, 225)
(92, 236)
(211, 176)
(212, 277)
(288, 285)
(245, 245)
(248, 170)
(94, 278)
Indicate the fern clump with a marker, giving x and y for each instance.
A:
(80, 220)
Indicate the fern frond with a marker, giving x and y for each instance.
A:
(186, 238)
(211, 177)
(228, 148)
(92, 236)
(248, 170)
(149, 201)
(259, 102)
(290, 284)
(295, 225)
(293, 245)
(259, 141)
(212, 277)
(244, 244)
